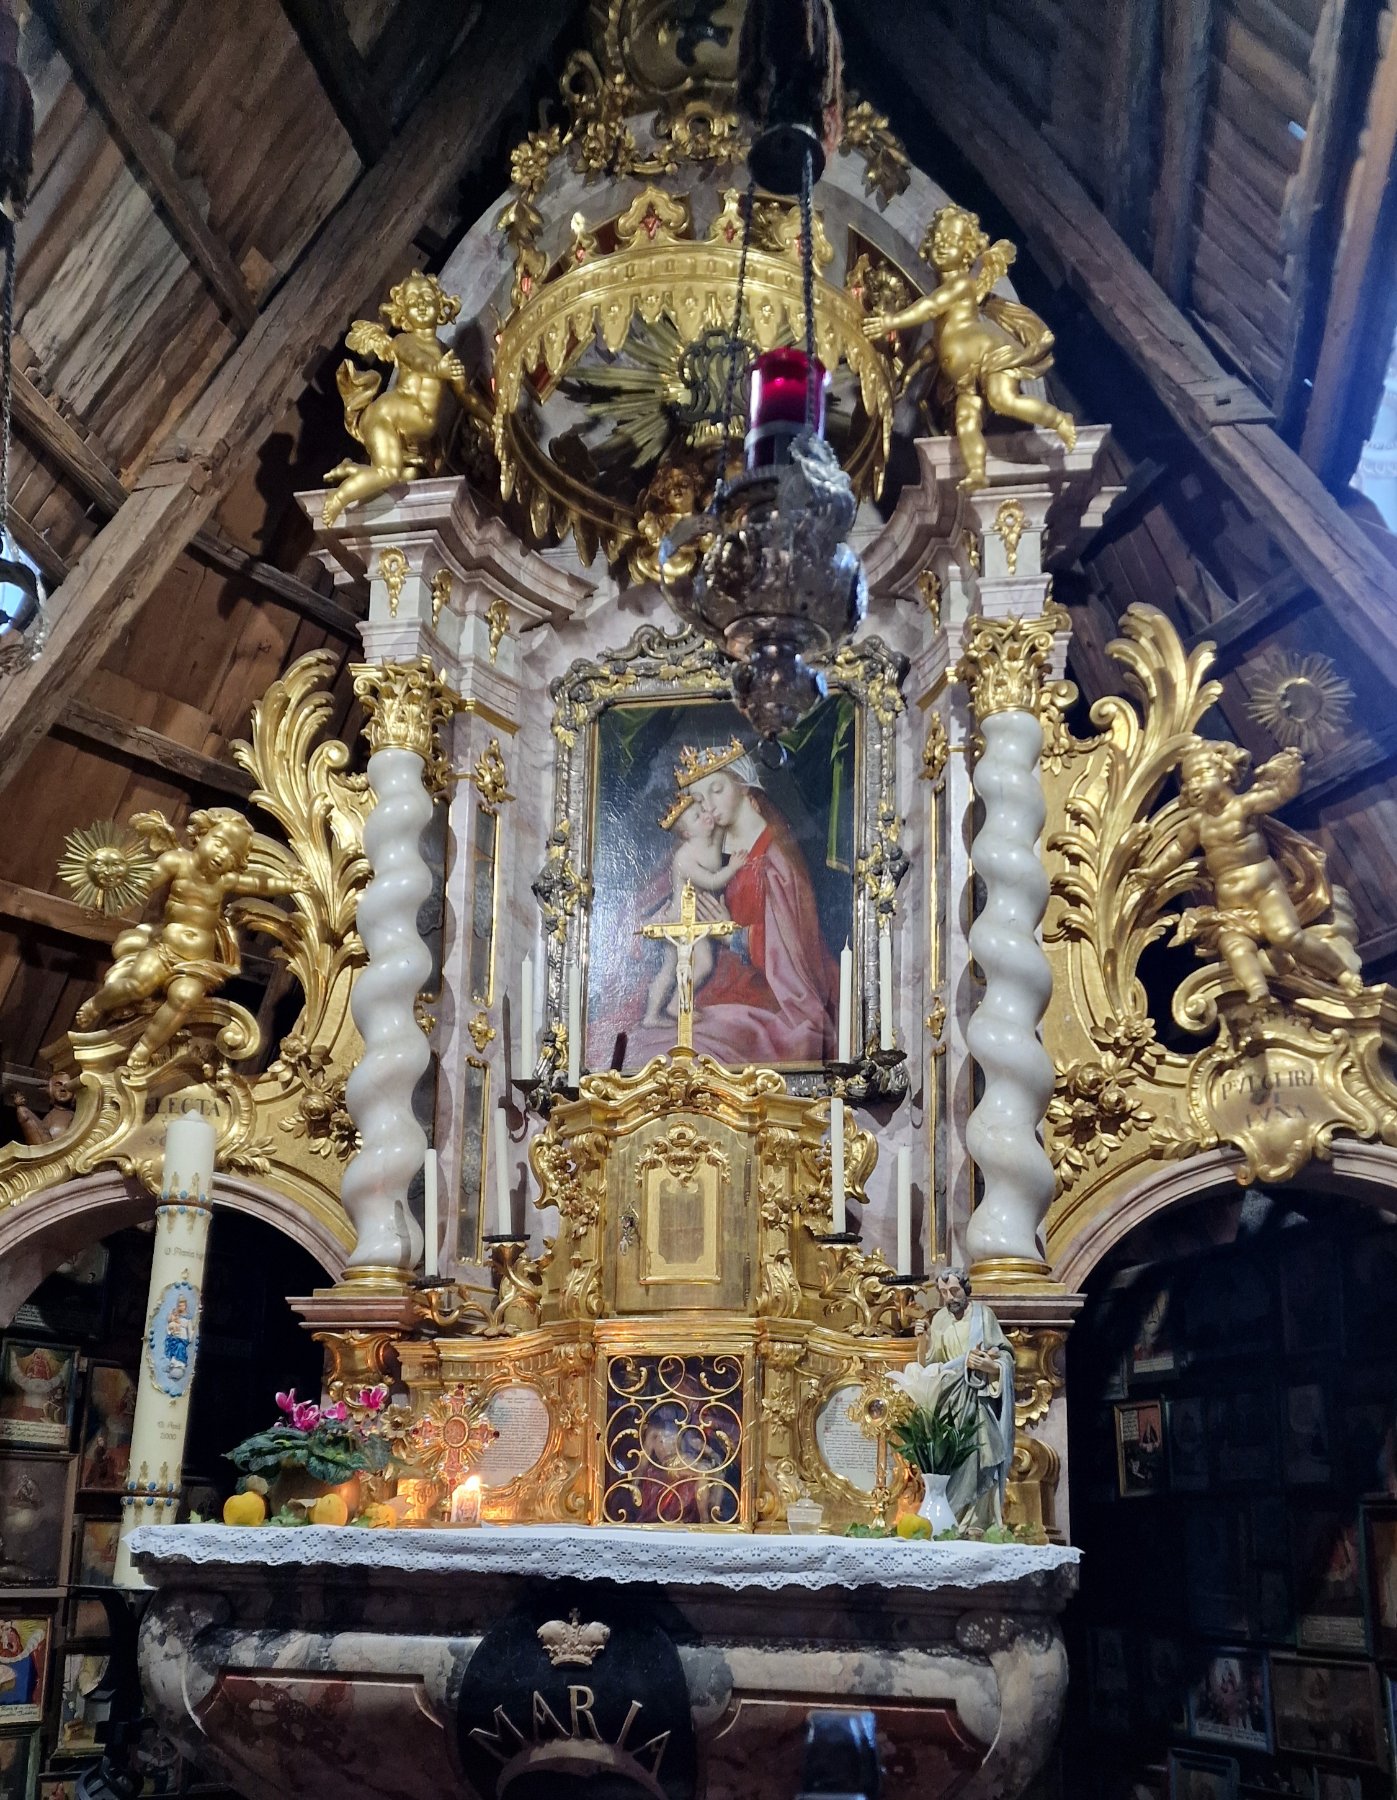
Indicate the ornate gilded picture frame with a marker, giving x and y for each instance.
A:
(659, 783)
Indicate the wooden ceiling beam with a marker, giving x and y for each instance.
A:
(1188, 46)
(1359, 316)
(1132, 68)
(83, 462)
(1310, 219)
(362, 242)
(151, 749)
(342, 73)
(1221, 415)
(111, 88)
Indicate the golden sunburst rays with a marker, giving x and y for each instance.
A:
(107, 867)
(1303, 701)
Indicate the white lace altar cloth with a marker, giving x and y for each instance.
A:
(164, 1553)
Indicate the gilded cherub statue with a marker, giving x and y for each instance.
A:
(194, 948)
(984, 346)
(399, 427)
(1253, 919)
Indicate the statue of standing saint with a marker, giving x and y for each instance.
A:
(976, 1362)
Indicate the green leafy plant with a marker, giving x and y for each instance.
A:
(935, 1440)
(327, 1442)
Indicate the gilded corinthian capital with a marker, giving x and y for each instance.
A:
(406, 704)
(1004, 660)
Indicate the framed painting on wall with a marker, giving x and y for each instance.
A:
(1328, 1709)
(38, 1390)
(36, 1508)
(106, 1429)
(26, 1649)
(19, 1764)
(661, 783)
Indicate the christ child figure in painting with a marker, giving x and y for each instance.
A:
(1252, 903)
(977, 1362)
(194, 950)
(699, 862)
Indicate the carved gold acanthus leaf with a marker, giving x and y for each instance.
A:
(1005, 659)
(407, 704)
(1280, 1077)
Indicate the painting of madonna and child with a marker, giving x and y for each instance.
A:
(678, 796)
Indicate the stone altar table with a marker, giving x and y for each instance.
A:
(320, 1662)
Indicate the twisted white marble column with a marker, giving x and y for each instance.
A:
(1004, 661)
(379, 1092)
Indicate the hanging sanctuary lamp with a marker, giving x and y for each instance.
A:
(765, 573)
(22, 623)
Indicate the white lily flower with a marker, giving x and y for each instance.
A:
(921, 1382)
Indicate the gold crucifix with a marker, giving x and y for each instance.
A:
(684, 932)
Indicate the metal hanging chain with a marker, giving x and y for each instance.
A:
(720, 487)
(7, 332)
(807, 275)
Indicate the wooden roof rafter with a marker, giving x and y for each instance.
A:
(1231, 427)
(95, 68)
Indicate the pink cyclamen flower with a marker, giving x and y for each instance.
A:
(334, 1415)
(372, 1399)
(286, 1402)
(305, 1416)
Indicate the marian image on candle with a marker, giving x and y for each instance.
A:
(679, 796)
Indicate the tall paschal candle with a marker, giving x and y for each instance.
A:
(776, 410)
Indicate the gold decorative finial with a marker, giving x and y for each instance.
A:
(984, 346)
(1005, 659)
(441, 593)
(695, 764)
(1009, 523)
(392, 571)
(490, 778)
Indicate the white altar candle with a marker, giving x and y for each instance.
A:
(465, 1502)
(836, 1165)
(187, 1172)
(574, 1027)
(846, 1005)
(431, 1221)
(504, 1218)
(887, 1037)
(904, 1211)
(526, 1019)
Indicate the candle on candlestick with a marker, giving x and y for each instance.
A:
(465, 1502)
(431, 1222)
(846, 1005)
(887, 1038)
(504, 1213)
(526, 1018)
(574, 1027)
(836, 1165)
(904, 1211)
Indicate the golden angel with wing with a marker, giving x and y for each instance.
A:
(193, 949)
(984, 345)
(400, 426)
(1269, 890)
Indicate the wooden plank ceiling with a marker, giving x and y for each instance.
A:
(1227, 165)
(188, 182)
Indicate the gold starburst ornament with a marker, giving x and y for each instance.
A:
(1303, 701)
(107, 866)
